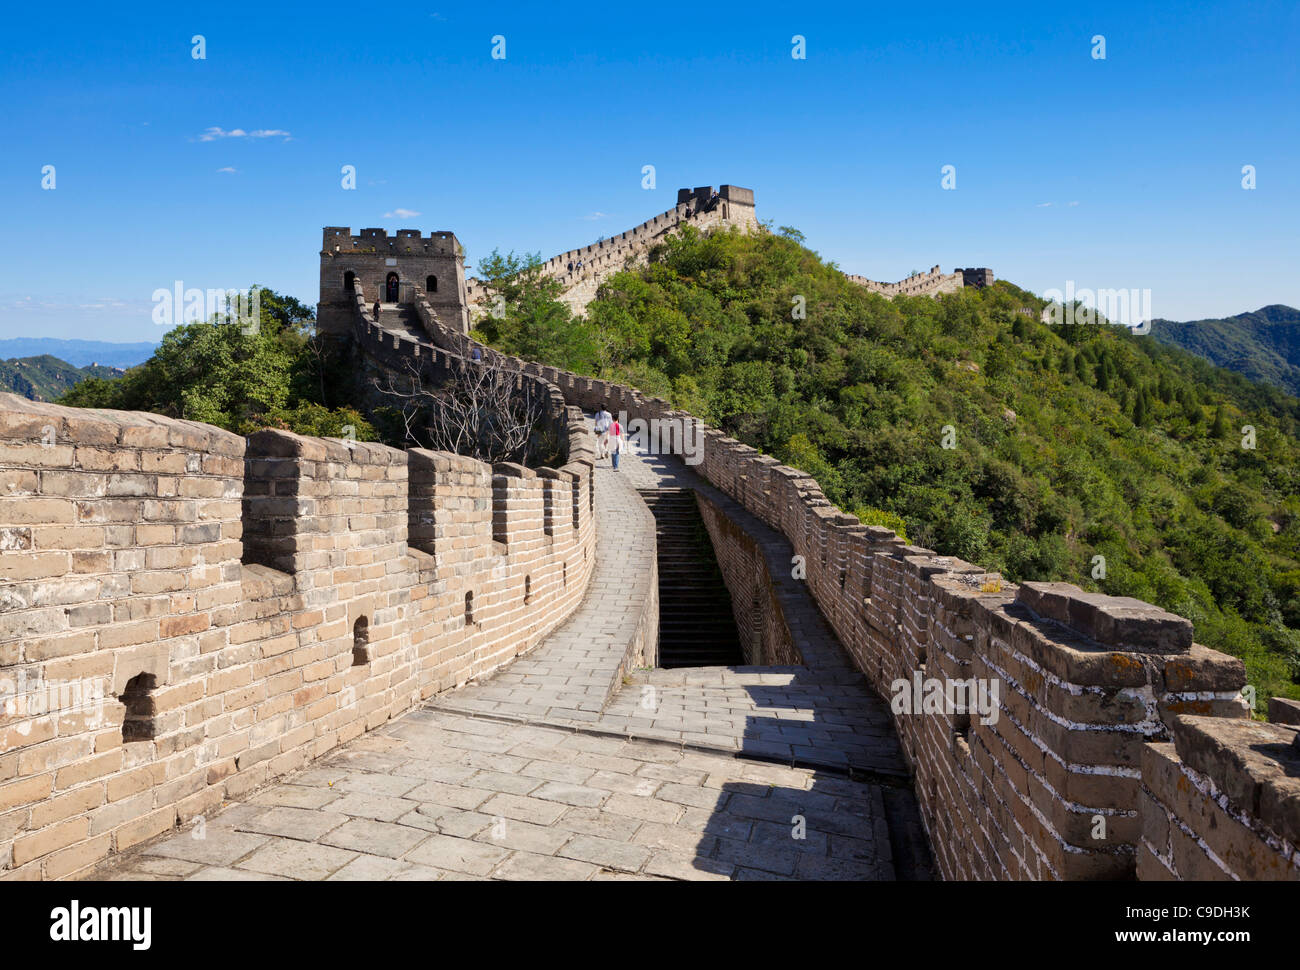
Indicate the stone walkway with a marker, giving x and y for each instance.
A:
(437, 795)
(573, 674)
(566, 765)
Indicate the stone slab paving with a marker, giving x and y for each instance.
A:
(820, 715)
(425, 798)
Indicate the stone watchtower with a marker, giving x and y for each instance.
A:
(396, 270)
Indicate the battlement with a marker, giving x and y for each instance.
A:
(239, 607)
(930, 283)
(339, 239)
(581, 270)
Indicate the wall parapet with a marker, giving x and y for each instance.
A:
(186, 614)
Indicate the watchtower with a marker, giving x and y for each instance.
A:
(390, 269)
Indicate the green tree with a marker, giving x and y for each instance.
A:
(525, 317)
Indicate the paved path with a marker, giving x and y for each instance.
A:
(438, 795)
(573, 674)
(566, 765)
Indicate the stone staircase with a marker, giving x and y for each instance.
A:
(696, 625)
(401, 318)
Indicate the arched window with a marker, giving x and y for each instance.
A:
(361, 642)
(431, 285)
(349, 280)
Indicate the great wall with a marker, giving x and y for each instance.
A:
(251, 605)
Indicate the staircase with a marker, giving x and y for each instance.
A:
(696, 626)
(401, 318)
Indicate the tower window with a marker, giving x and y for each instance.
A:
(431, 285)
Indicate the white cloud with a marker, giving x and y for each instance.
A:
(401, 214)
(596, 215)
(213, 133)
(1043, 205)
(232, 171)
(1074, 203)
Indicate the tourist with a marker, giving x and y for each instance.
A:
(476, 355)
(603, 421)
(616, 444)
(376, 311)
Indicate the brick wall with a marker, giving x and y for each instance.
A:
(241, 607)
(1221, 801)
(1078, 762)
(765, 635)
(930, 283)
(733, 207)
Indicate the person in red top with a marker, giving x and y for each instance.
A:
(615, 442)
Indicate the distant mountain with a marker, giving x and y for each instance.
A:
(45, 378)
(1263, 346)
(80, 353)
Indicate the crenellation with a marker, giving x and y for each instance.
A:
(243, 606)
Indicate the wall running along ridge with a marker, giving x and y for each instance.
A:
(732, 206)
(245, 605)
(1121, 748)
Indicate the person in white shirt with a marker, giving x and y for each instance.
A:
(603, 420)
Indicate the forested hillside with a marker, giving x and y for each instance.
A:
(273, 376)
(44, 378)
(1080, 453)
(1263, 345)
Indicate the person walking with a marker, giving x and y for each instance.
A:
(376, 311)
(603, 420)
(616, 442)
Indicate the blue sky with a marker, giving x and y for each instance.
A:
(1123, 172)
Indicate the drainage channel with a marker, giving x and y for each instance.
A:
(696, 625)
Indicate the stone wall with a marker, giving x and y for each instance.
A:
(931, 283)
(1072, 776)
(581, 270)
(186, 614)
(1221, 801)
(765, 635)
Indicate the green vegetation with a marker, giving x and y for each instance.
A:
(534, 324)
(279, 376)
(1263, 345)
(44, 378)
(1071, 443)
